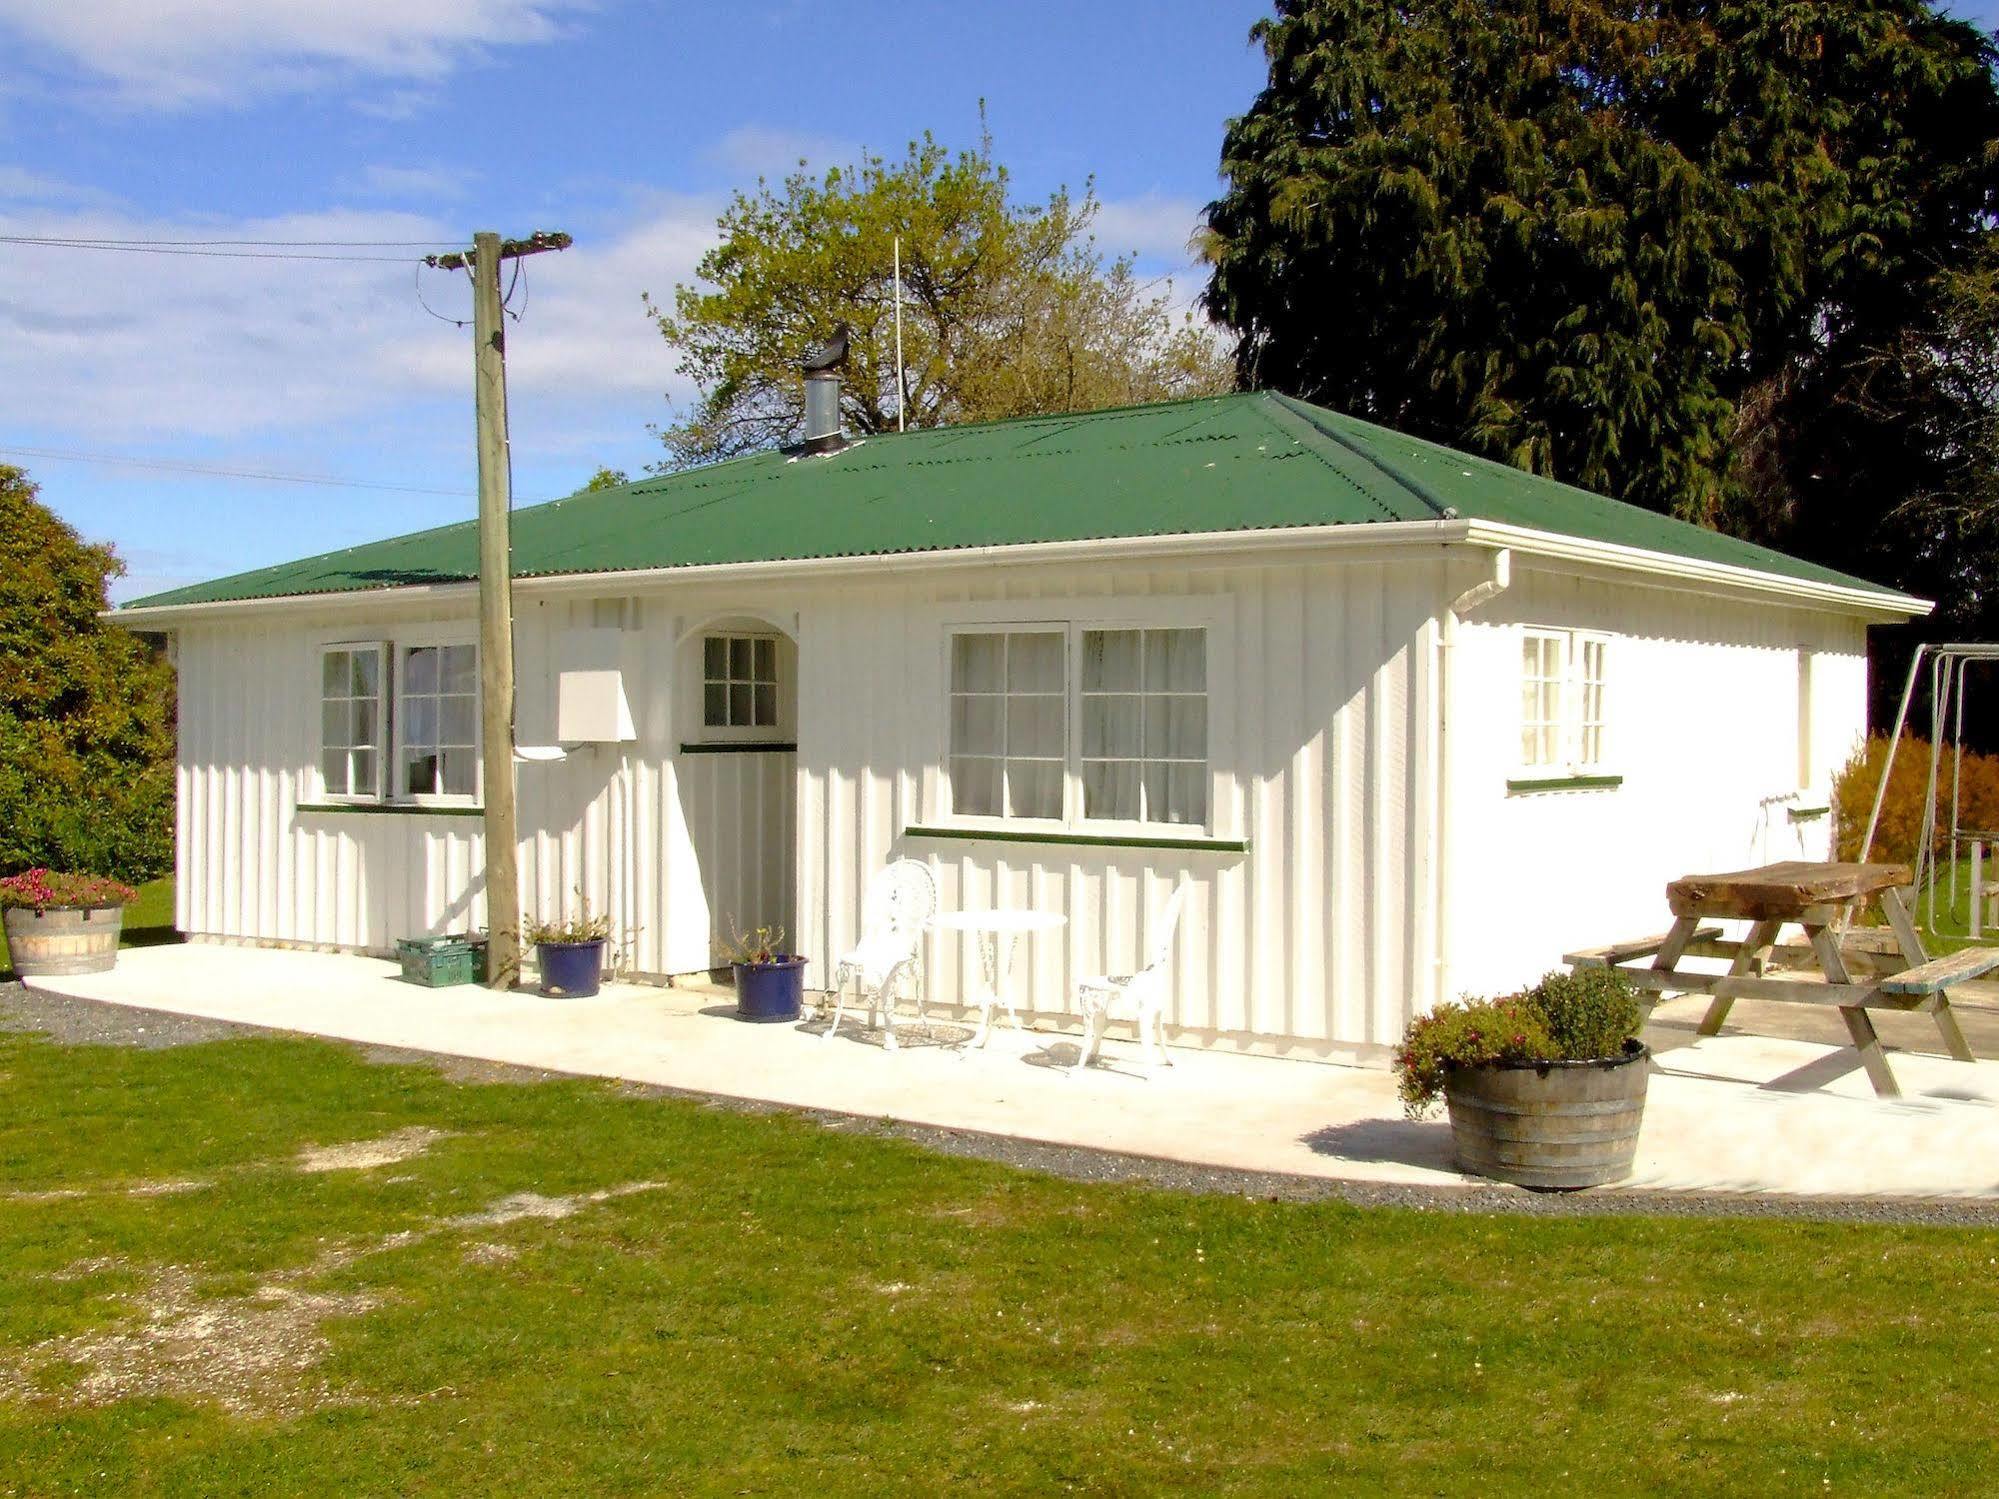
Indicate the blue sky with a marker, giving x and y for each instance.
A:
(625, 123)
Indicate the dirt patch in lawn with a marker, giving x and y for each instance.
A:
(521, 1205)
(365, 1155)
(253, 1355)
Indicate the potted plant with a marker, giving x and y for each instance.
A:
(63, 923)
(770, 984)
(570, 952)
(1545, 1088)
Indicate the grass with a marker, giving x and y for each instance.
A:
(760, 1305)
(148, 920)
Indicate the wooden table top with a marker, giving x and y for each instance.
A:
(1782, 890)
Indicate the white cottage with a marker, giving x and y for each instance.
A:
(1411, 722)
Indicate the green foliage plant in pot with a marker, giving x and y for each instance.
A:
(1545, 1088)
(770, 983)
(63, 923)
(569, 951)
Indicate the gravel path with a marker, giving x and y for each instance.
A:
(81, 1022)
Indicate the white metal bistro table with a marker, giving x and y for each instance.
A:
(998, 933)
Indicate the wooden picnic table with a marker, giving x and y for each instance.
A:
(1821, 899)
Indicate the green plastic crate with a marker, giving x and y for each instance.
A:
(439, 962)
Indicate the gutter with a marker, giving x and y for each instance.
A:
(1659, 568)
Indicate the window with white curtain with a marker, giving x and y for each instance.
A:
(1009, 711)
(350, 721)
(1131, 747)
(1144, 732)
(1564, 688)
(438, 721)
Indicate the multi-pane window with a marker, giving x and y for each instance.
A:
(1009, 702)
(1564, 684)
(1144, 710)
(1133, 749)
(1590, 688)
(739, 682)
(439, 720)
(1543, 673)
(350, 720)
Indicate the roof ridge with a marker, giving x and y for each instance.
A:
(1309, 414)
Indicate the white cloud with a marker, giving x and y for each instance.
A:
(769, 151)
(1154, 227)
(132, 352)
(186, 52)
(435, 184)
(19, 185)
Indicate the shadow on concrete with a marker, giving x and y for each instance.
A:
(1405, 1141)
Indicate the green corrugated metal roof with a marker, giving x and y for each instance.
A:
(1222, 463)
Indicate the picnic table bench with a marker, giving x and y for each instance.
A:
(1821, 899)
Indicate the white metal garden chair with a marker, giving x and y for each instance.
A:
(1138, 997)
(899, 904)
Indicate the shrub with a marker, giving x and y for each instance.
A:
(1589, 1013)
(1471, 1033)
(566, 930)
(1901, 824)
(86, 707)
(1583, 1016)
(38, 889)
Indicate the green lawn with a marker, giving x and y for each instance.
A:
(754, 1304)
(148, 920)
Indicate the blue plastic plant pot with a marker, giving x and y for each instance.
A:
(570, 970)
(770, 991)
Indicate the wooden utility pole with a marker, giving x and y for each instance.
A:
(496, 601)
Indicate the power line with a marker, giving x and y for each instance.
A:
(295, 244)
(84, 244)
(214, 472)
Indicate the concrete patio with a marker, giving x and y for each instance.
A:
(1784, 1110)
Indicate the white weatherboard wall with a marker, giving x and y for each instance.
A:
(1706, 719)
(1320, 937)
(1318, 672)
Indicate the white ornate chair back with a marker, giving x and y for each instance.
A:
(1165, 925)
(900, 901)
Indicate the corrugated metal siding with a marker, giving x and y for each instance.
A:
(1305, 938)
(1320, 937)
(1704, 725)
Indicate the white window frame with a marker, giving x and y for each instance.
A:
(1215, 642)
(384, 664)
(779, 732)
(1569, 739)
(403, 795)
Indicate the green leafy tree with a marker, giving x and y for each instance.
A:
(607, 477)
(1009, 309)
(86, 708)
(1656, 249)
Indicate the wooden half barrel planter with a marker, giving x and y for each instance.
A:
(62, 940)
(1554, 1126)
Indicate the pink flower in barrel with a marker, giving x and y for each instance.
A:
(62, 923)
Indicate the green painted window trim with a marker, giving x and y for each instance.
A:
(740, 747)
(1807, 814)
(389, 809)
(1563, 783)
(1090, 840)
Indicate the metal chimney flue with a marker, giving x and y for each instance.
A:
(822, 392)
(822, 412)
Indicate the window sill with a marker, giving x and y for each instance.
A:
(1198, 843)
(386, 809)
(741, 747)
(1807, 814)
(1522, 785)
